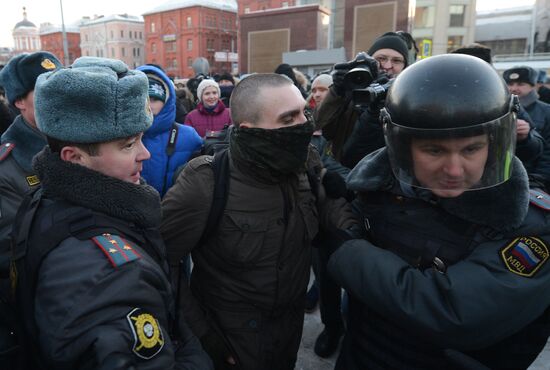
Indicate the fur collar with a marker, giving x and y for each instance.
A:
(501, 207)
(90, 189)
(28, 141)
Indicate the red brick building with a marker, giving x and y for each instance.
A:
(247, 6)
(51, 39)
(178, 32)
(266, 35)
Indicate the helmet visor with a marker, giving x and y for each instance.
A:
(451, 161)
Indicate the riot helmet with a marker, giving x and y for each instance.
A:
(450, 125)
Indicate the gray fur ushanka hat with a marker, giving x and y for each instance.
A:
(95, 100)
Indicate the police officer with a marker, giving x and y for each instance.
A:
(92, 285)
(453, 271)
(22, 140)
(521, 81)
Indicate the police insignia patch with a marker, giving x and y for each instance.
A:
(47, 64)
(33, 180)
(524, 256)
(148, 338)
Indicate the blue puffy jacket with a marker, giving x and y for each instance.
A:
(159, 170)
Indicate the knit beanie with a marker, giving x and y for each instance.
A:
(157, 88)
(322, 80)
(227, 77)
(393, 42)
(204, 84)
(521, 74)
(94, 101)
(19, 76)
(481, 52)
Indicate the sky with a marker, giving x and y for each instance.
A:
(39, 11)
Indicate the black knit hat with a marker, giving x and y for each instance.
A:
(521, 74)
(19, 76)
(227, 77)
(391, 41)
(481, 52)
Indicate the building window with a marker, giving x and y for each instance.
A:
(189, 62)
(152, 27)
(285, 4)
(123, 52)
(112, 52)
(424, 17)
(153, 48)
(453, 42)
(121, 33)
(138, 52)
(189, 44)
(209, 44)
(112, 35)
(170, 46)
(140, 35)
(456, 18)
(174, 63)
(86, 37)
(189, 22)
(246, 10)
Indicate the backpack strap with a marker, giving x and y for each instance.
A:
(220, 167)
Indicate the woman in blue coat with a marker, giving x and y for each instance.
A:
(171, 144)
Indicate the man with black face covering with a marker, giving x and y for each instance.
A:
(250, 276)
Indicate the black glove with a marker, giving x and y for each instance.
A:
(338, 80)
(214, 345)
(335, 186)
(340, 236)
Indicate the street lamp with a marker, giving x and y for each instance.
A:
(65, 47)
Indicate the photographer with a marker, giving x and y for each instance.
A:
(337, 116)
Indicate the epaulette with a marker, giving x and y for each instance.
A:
(118, 250)
(539, 199)
(5, 150)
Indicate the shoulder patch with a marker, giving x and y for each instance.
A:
(198, 162)
(525, 255)
(5, 150)
(119, 251)
(539, 199)
(148, 338)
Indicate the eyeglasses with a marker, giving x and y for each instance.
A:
(382, 59)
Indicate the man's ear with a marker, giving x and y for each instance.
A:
(72, 154)
(246, 124)
(20, 104)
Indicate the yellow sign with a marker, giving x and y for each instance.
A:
(426, 49)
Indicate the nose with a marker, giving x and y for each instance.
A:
(453, 166)
(143, 153)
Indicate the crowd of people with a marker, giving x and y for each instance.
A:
(146, 225)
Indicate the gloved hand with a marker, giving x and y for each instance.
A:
(335, 186)
(338, 79)
(214, 345)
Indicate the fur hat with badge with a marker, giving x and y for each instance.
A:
(96, 100)
(19, 76)
(521, 74)
(207, 83)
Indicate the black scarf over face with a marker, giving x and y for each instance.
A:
(271, 154)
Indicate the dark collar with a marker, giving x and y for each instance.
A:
(28, 141)
(501, 207)
(90, 189)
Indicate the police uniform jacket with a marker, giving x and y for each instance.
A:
(18, 146)
(443, 283)
(249, 278)
(105, 301)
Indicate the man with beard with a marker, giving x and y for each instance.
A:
(250, 275)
